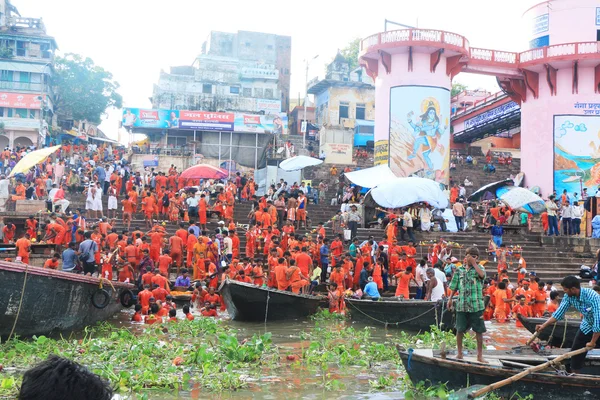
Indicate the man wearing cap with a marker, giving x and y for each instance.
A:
(371, 291)
(354, 218)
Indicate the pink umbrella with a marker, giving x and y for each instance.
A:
(204, 171)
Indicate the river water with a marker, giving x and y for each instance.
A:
(293, 382)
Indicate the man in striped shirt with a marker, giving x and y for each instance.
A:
(587, 302)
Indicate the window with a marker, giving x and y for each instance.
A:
(268, 93)
(1, 111)
(207, 88)
(32, 114)
(258, 92)
(234, 89)
(247, 92)
(343, 110)
(21, 112)
(10, 113)
(24, 77)
(176, 141)
(6, 76)
(45, 49)
(360, 111)
(598, 35)
(21, 48)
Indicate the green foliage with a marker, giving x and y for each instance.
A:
(383, 382)
(350, 53)
(424, 390)
(6, 52)
(433, 339)
(83, 89)
(457, 88)
(325, 315)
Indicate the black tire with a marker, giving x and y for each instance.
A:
(127, 298)
(100, 298)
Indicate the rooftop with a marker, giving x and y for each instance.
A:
(315, 86)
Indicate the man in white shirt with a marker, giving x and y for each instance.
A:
(421, 279)
(228, 247)
(407, 226)
(577, 211)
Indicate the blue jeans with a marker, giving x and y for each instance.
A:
(552, 225)
(419, 294)
(497, 240)
(576, 226)
(384, 278)
(459, 223)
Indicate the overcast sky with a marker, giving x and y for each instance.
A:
(135, 39)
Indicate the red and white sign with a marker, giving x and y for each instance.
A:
(251, 119)
(149, 115)
(20, 100)
(206, 116)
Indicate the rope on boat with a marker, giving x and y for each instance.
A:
(565, 332)
(20, 301)
(394, 323)
(410, 353)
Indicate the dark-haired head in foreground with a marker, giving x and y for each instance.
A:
(58, 378)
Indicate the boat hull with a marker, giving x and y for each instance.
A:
(417, 315)
(457, 375)
(560, 337)
(53, 301)
(247, 302)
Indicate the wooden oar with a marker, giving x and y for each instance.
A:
(524, 373)
(532, 338)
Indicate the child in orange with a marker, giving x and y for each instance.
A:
(53, 262)
(501, 298)
(107, 268)
(541, 297)
(404, 278)
(521, 309)
(554, 302)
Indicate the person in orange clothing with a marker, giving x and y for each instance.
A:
(191, 242)
(521, 308)
(501, 298)
(54, 233)
(144, 298)
(107, 267)
(280, 272)
(111, 239)
(258, 274)
(335, 296)
(212, 298)
(9, 232)
(540, 299)
(377, 273)
(156, 243)
(554, 302)
(31, 225)
(148, 204)
(23, 246)
(19, 192)
(200, 254)
(403, 286)
(128, 210)
(137, 315)
(164, 263)
(53, 262)
(338, 276)
(160, 280)
(176, 249)
(125, 273)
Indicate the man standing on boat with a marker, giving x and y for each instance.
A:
(468, 283)
(587, 302)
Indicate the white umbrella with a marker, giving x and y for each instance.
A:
(299, 162)
(371, 177)
(490, 187)
(400, 192)
(519, 198)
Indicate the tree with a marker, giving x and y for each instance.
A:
(350, 53)
(457, 88)
(83, 90)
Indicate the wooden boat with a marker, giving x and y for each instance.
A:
(424, 365)
(561, 334)
(248, 302)
(43, 301)
(181, 298)
(417, 315)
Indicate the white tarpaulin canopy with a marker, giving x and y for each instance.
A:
(299, 162)
(371, 177)
(400, 192)
(519, 198)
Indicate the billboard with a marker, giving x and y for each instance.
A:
(206, 121)
(274, 123)
(147, 118)
(20, 100)
(576, 153)
(268, 106)
(420, 132)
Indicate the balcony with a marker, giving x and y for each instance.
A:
(26, 86)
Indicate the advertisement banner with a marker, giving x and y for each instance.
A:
(145, 118)
(20, 100)
(206, 121)
(268, 106)
(576, 153)
(420, 132)
(382, 152)
(492, 114)
(250, 123)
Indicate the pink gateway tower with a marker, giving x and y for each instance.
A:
(556, 82)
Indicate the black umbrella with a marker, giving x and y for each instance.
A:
(490, 187)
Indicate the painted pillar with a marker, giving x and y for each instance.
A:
(560, 118)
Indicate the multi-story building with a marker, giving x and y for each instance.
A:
(26, 57)
(242, 72)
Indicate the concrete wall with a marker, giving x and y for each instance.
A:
(338, 145)
(328, 103)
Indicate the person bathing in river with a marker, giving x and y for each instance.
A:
(587, 302)
(468, 283)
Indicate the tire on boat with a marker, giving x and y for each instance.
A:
(100, 298)
(127, 298)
